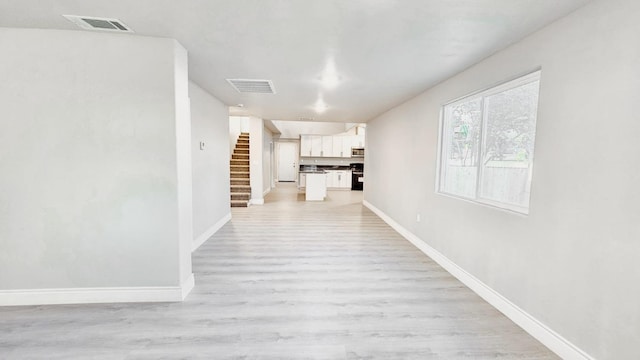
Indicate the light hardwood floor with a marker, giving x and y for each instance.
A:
(287, 280)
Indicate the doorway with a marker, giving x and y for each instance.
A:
(287, 161)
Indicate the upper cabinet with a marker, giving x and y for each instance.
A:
(358, 140)
(337, 146)
(310, 145)
(342, 146)
(305, 145)
(327, 146)
(316, 145)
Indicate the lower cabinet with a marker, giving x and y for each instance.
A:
(339, 179)
(336, 179)
(345, 180)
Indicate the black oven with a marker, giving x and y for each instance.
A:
(357, 176)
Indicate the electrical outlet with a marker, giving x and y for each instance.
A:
(417, 217)
(201, 145)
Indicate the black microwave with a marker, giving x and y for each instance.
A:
(357, 152)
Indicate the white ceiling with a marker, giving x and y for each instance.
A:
(384, 51)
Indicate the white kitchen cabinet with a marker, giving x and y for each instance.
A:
(337, 146)
(359, 137)
(310, 145)
(331, 178)
(327, 146)
(358, 141)
(339, 179)
(346, 146)
(305, 145)
(302, 180)
(316, 145)
(344, 179)
(316, 189)
(342, 146)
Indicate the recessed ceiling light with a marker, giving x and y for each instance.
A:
(329, 78)
(240, 105)
(320, 106)
(329, 81)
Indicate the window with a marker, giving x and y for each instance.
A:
(487, 143)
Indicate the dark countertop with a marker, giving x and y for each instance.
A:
(313, 172)
(323, 168)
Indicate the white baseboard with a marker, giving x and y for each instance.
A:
(554, 341)
(212, 230)
(265, 193)
(187, 286)
(256, 201)
(97, 295)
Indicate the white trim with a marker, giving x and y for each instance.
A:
(264, 193)
(97, 295)
(197, 242)
(488, 205)
(439, 150)
(256, 201)
(526, 75)
(187, 286)
(554, 341)
(445, 135)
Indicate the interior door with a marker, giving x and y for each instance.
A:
(287, 161)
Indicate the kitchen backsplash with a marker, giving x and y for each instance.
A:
(330, 161)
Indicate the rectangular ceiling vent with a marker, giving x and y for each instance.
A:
(94, 23)
(252, 86)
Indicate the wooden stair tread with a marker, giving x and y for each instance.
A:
(239, 169)
(239, 203)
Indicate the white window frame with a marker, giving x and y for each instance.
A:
(504, 86)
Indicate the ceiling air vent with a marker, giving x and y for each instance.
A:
(252, 86)
(94, 23)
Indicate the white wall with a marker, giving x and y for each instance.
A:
(237, 125)
(183, 161)
(256, 129)
(210, 124)
(91, 154)
(572, 263)
(267, 177)
(293, 129)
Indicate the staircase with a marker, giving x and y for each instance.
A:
(240, 185)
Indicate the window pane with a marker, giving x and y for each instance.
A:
(510, 123)
(460, 148)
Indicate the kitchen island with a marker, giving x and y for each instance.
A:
(315, 185)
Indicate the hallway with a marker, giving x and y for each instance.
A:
(287, 280)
